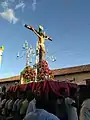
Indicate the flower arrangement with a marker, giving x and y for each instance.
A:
(43, 71)
(28, 74)
(51, 75)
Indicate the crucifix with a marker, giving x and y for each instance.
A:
(41, 41)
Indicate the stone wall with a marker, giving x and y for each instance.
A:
(78, 77)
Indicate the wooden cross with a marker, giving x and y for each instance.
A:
(41, 41)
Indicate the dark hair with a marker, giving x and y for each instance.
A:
(3, 89)
(22, 95)
(30, 95)
(60, 97)
(73, 91)
(87, 92)
(63, 91)
(39, 103)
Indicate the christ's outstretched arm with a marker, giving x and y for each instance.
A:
(48, 38)
(31, 28)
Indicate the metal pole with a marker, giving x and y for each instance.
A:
(36, 60)
(27, 57)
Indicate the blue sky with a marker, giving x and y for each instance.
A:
(66, 21)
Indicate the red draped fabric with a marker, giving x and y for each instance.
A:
(44, 87)
(14, 88)
(38, 86)
(54, 86)
(30, 85)
(22, 87)
(33, 86)
(64, 85)
(10, 88)
(72, 85)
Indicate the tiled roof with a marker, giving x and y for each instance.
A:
(14, 78)
(72, 70)
(64, 71)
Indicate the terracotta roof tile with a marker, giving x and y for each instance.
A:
(72, 70)
(14, 78)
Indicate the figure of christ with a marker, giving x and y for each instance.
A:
(41, 41)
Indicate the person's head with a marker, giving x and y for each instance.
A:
(11, 95)
(2, 96)
(7, 95)
(40, 28)
(22, 95)
(18, 95)
(40, 103)
(60, 99)
(73, 92)
(3, 89)
(30, 95)
(87, 92)
(63, 91)
(16, 83)
(82, 94)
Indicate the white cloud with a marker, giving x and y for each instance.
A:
(34, 5)
(11, 0)
(20, 5)
(5, 4)
(9, 15)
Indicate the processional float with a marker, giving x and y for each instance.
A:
(40, 70)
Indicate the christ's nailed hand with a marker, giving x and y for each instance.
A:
(29, 27)
(50, 39)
